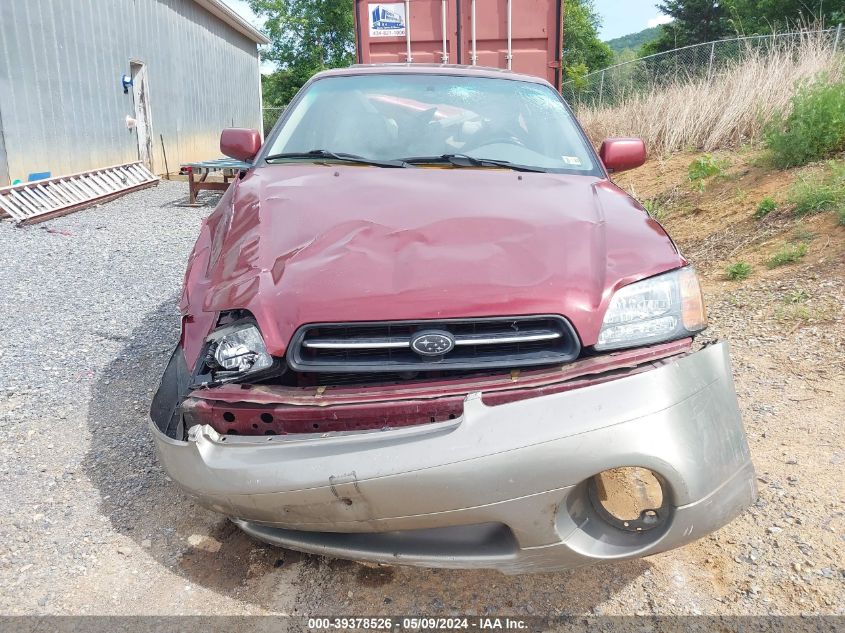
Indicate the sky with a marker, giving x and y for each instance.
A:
(620, 17)
(242, 8)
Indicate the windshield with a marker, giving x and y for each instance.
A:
(398, 117)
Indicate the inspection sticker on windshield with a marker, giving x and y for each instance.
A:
(572, 160)
(387, 19)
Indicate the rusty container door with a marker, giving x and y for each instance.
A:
(523, 35)
(412, 31)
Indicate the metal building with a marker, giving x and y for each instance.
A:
(92, 83)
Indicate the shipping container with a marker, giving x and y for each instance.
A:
(525, 36)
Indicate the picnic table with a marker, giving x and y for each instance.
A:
(229, 168)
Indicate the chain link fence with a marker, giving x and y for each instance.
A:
(616, 84)
(270, 115)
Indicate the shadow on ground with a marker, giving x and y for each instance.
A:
(143, 504)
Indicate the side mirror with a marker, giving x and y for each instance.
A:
(240, 143)
(621, 154)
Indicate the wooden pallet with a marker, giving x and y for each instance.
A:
(42, 200)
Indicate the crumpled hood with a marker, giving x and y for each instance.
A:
(298, 244)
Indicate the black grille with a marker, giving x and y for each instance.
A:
(478, 344)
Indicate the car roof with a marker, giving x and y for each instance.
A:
(430, 69)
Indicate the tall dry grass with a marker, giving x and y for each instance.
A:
(727, 110)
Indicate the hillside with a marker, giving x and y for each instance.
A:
(633, 41)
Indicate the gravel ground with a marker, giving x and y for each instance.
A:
(90, 523)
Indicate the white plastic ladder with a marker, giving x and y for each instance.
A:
(32, 202)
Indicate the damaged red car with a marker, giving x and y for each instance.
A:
(424, 327)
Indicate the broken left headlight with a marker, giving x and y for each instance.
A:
(235, 351)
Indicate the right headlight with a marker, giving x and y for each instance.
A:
(662, 308)
(236, 351)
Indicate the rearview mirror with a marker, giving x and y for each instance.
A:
(240, 143)
(621, 154)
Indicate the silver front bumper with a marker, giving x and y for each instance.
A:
(502, 487)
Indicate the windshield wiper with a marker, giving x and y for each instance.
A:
(463, 160)
(339, 156)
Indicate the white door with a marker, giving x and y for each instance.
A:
(143, 123)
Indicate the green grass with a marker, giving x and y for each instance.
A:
(788, 254)
(794, 312)
(814, 128)
(820, 191)
(707, 166)
(655, 209)
(840, 214)
(738, 271)
(796, 296)
(799, 306)
(801, 234)
(766, 206)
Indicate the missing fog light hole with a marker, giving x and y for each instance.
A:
(629, 498)
(229, 416)
(266, 418)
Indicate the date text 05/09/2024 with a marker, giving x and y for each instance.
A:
(416, 624)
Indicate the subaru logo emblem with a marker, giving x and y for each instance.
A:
(432, 343)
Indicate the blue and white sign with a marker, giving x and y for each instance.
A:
(387, 19)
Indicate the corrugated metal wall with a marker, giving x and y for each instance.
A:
(62, 105)
(4, 167)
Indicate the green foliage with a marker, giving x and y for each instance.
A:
(766, 206)
(307, 33)
(801, 234)
(577, 74)
(306, 36)
(819, 192)
(738, 271)
(699, 21)
(694, 22)
(840, 215)
(788, 254)
(707, 166)
(581, 44)
(280, 87)
(655, 209)
(813, 129)
(634, 41)
(766, 16)
(796, 296)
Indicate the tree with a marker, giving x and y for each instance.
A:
(623, 46)
(767, 16)
(699, 21)
(583, 51)
(693, 22)
(281, 86)
(306, 36)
